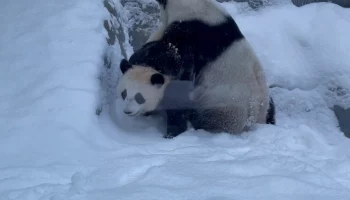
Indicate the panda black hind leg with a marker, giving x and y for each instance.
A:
(218, 120)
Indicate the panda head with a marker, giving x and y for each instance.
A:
(141, 88)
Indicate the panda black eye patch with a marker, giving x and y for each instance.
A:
(124, 94)
(157, 79)
(139, 98)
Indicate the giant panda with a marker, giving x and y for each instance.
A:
(200, 42)
(145, 91)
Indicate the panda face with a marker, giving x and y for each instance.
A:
(141, 89)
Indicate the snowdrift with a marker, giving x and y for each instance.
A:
(57, 70)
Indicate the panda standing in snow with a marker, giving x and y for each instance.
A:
(200, 44)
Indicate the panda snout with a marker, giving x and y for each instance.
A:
(130, 113)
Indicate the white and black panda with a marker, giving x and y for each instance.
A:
(199, 42)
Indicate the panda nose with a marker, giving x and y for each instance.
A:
(127, 112)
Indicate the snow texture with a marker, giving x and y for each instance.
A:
(54, 147)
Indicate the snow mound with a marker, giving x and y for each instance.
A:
(54, 147)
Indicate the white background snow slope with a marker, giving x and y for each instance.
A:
(54, 147)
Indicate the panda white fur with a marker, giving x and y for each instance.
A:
(200, 42)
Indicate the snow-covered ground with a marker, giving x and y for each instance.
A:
(54, 147)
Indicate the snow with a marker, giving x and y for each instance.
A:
(54, 147)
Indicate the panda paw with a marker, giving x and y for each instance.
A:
(168, 136)
(174, 131)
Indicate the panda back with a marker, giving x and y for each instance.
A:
(202, 42)
(161, 56)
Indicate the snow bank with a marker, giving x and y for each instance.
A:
(54, 147)
(50, 55)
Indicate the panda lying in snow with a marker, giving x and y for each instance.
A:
(200, 43)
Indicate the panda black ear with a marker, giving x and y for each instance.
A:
(124, 66)
(157, 79)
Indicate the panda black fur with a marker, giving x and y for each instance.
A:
(200, 42)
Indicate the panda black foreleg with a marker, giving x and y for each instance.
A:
(176, 123)
(270, 117)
